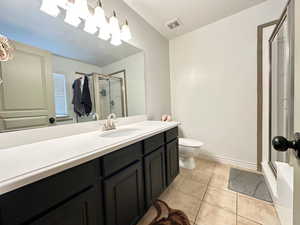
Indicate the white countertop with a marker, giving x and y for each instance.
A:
(26, 164)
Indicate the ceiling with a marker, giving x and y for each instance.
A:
(192, 14)
(23, 21)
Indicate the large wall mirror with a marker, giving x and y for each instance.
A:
(61, 74)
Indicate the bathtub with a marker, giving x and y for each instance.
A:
(281, 190)
(285, 186)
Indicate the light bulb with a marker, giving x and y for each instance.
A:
(100, 16)
(104, 32)
(50, 7)
(115, 40)
(125, 32)
(82, 9)
(72, 16)
(72, 19)
(114, 25)
(62, 3)
(90, 25)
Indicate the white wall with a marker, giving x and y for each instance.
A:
(135, 81)
(70, 66)
(213, 83)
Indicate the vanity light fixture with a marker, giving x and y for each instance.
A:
(104, 32)
(90, 24)
(125, 32)
(100, 16)
(78, 11)
(115, 40)
(114, 24)
(115, 30)
(50, 7)
(72, 16)
(82, 9)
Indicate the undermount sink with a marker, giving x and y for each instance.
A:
(119, 132)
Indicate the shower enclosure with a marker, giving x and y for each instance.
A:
(281, 88)
(110, 94)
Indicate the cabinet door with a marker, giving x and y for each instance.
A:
(26, 94)
(123, 194)
(155, 179)
(80, 210)
(172, 156)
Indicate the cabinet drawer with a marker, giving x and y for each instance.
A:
(115, 161)
(153, 143)
(171, 134)
(22, 205)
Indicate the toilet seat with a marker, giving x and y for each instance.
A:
(190, 143)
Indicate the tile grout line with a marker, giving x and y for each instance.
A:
(237, 202)
(251, 220)
(202, 200)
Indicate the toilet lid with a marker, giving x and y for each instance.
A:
(189, 142)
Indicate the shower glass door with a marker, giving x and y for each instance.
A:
(111, 96)
(280, 91)
(116, 104)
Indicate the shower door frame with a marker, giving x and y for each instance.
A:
(289, 120)
(260, 87)
(96, 78)
(124, 90)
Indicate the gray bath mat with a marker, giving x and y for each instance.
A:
(251, 184)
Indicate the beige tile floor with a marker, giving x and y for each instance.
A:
(203, 195)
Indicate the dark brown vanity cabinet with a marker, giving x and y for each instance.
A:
(80, 210)
(155, 178)
(65, 193)
(172, 155)
(115, 189)
(172, 161)
(124, 196)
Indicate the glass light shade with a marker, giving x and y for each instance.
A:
(82, 9)
(100, 16)
(50, 7)
(115, 40)
(125, 33)
(114, 25)
(63, 3)
(72, 18)
(104, 32)
(90, 25)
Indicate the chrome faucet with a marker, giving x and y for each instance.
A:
(110, 123)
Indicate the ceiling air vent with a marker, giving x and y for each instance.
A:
(175, 23)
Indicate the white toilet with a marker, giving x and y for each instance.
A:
(188, 150)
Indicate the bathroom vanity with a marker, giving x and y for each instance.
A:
(113, 185)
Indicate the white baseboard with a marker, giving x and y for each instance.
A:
(230, 161)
